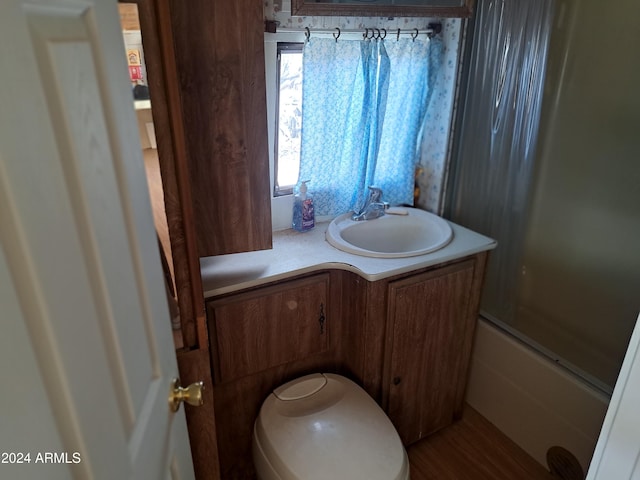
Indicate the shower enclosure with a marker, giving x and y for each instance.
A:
(547, 161)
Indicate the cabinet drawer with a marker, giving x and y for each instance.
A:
(270, 326)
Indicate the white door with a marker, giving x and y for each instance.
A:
(86, 351)
(617, 454)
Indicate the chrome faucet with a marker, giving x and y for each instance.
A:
(374, 207)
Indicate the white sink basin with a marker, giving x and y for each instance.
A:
(390, 236)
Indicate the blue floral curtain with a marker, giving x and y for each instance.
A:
(364, 105)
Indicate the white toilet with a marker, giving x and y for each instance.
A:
(324, 426)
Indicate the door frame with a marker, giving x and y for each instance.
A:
(618, 449)
(193, 358)
(164, 90)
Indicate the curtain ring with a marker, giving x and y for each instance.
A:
(338, 34)
(373, 33)
(307, 33)
(365, 34)
(413, 37)
(385, 33)
(398, 36)
(377, 35)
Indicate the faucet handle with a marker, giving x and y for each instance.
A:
(375, 194)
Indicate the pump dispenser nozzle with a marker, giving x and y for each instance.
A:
(303, 189)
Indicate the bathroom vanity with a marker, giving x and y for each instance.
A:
(402, 328)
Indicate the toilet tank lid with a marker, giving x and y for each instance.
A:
(301, 387)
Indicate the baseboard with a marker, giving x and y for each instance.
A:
(530, 399)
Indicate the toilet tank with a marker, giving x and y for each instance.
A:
(325, 426)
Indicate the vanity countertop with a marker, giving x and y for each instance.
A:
(295, 253)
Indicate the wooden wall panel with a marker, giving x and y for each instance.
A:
(374, 334)
(219, 50)
(172, 156)
(201, 421)
(349, 288)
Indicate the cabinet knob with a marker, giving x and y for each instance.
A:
(397, 380)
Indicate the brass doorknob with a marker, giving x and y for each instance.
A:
(192, 394)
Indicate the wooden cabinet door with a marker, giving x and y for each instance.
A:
(271, 326)
(429, 348)
(219, 59)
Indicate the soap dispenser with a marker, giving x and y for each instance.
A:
(303, 211)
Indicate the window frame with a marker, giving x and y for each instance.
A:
(281, 46)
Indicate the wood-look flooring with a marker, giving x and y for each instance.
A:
(156, 195)
(472, 449)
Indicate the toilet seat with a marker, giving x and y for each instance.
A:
(324, 426)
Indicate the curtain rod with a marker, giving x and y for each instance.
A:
(370, 33)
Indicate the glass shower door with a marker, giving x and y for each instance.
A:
(562, 201)
(579, 293)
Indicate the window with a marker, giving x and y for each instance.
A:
(365, 104)
(288, 125)
(284, 136)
